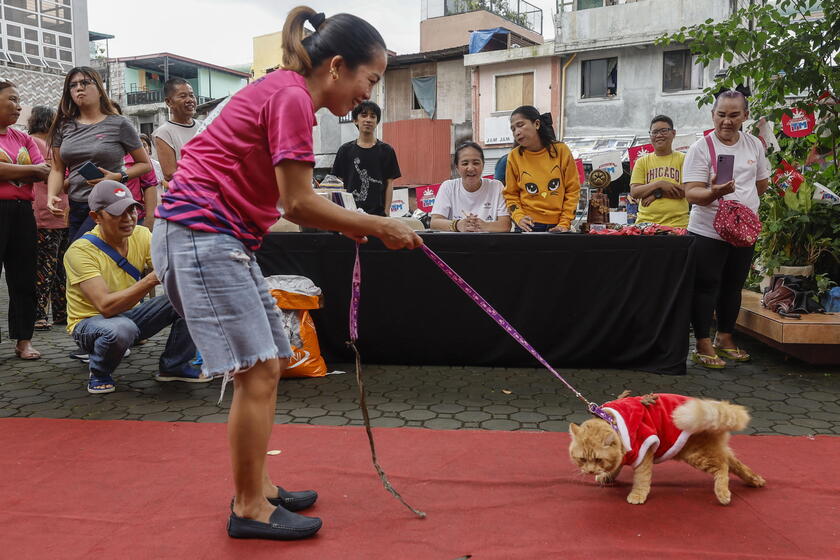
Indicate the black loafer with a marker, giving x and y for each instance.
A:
(283, 525)
(294, 501)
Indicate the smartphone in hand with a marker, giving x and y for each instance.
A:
(725, 168)
(89, 171)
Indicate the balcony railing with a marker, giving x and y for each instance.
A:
(519, 12)
(155, 96)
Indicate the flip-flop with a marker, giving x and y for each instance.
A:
(706, 361)
(99, 385)
(28, 354)
(734, 354)
(42, 325)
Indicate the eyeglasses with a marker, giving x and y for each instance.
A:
(81, 83)
(660, 131)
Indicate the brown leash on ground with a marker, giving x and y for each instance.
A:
(354, 336)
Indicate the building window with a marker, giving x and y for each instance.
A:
(348, 118)
(514, 90)
(599, 77)
(681, 71)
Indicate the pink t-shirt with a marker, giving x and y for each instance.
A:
(138, 185)
(43, 217)
(17, 147)
(225, 182)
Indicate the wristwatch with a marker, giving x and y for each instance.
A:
(123, 177)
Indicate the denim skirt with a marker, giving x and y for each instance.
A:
(216, 285)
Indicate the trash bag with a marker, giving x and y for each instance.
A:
(296, 296)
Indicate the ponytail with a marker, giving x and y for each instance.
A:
(545, 131)
(345, 35)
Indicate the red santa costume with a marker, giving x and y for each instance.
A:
(643, 428)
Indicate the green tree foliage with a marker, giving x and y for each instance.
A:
(788, 52)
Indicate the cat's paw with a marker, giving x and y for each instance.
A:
(604, 478)
(724, 496)
(757, 481)
(637, 497)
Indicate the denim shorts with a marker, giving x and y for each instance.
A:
(216, 285)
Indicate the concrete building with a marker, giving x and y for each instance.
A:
(39, 42)
(136, 82)
(617, 79)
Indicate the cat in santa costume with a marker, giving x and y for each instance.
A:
(655, 428)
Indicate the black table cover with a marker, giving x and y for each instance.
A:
(580, 300)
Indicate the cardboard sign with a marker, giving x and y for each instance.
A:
(683, 142)
(637, 152)
(426, 197)
(399, 203)
(800, 125)
(610, 162)
(497, 130)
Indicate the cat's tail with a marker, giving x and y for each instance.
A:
(705, 415)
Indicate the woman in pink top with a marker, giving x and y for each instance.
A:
(52, 235)
(253, 155)
(21, 164)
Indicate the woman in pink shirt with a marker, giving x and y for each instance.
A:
(21, 164)
(253, 155)
(52, 234)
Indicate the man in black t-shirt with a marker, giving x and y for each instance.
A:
(368, 166)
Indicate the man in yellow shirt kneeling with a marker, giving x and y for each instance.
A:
(657, 179)
(105, 285)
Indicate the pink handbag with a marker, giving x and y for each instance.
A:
(735, 223)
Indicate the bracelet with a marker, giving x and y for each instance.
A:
(454, 225)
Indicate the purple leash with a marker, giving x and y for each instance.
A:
(354, 336)
(502, 322)
(482, 303)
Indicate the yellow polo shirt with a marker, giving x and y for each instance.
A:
(663, 211)
(84, 260)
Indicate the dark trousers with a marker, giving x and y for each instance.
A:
(50, 279)
(18, 249)
(107, 339)
(721, 272)
(79, 221)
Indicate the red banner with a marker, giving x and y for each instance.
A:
(636, 152)
(581, 172)
(787, 177)
(800, 125)
(426, 197)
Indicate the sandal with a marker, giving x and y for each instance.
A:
(706, 361)
(31, 354)
(99, 385)
(734, 354)
(42, 325)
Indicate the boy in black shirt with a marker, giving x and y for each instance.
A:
(368, 166)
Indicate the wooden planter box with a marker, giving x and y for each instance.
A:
(815, 338)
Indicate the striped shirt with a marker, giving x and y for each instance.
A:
(225, 182)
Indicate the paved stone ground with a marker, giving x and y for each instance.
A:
(785, 396)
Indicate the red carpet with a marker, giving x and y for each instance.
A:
(126, 490)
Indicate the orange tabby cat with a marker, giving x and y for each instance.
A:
(658, 427)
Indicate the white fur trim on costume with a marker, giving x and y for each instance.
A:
(676, 448)
(651, 443)
(622, 429)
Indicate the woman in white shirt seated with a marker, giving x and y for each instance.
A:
(470, 203)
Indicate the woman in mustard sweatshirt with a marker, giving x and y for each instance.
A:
(542, 187)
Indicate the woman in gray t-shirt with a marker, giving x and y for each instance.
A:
(88, 128)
